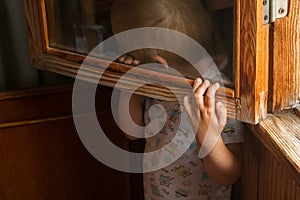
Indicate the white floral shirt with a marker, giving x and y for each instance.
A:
(173, 169)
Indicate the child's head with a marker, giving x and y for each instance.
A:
(185, 16)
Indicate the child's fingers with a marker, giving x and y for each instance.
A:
(202, 88)
(192, 110)
(196, 84)
(122, 58)
(221, 113)
(188, 105)
(136, 62)
(199, 94)
(209, 99)
(128, 60)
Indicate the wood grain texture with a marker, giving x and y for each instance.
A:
(54, 33)
(253, 59)
(264, 177)
(42, 156)
(67, 63)
(29, 105)
(250, 170)
(275, 181)
(33, 104)
(48, 161)
(144, 82)
(285, 82)
(35, 16)
(236, 47)
(280, 135)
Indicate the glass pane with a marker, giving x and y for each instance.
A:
(223, 21)
(79, 25)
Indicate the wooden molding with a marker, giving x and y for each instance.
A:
(37, 31)
(253, 59)
(44, 104)
(68, 64)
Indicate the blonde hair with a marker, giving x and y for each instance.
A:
(185, 16)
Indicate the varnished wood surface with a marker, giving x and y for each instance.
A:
(280, 134)
(264, 177)
(145, 82)
(37, 31)
(251, 90)
(251, 168)
(32, 104)
(253, 48)
(41, 154)
(48, 161)
(44, 102)
(236, 47)
(285, 85)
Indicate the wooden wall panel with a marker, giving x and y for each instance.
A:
(36, 103)
(264, 177)
(48, 161)
(42, 156)
(251, 152)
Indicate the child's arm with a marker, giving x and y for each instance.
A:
(223, 162)
(136, 110)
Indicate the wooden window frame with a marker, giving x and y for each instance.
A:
(246, 102)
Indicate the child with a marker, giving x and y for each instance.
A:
(189, 177)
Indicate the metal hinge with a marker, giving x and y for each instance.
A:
(274, 9)
(238, 105)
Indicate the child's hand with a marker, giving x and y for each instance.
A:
(208, 117)
(129, 60)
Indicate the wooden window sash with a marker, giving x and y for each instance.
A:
(244, 103)
(252, 61)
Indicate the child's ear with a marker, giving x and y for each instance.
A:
(220, 60)
(161, 60)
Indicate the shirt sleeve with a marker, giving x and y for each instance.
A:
(233, 132)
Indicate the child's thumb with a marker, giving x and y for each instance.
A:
(188, 105)
(192, 112)
(221, 113)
